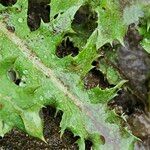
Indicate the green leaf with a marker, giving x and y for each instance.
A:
(84, 65)
(132, 14)
(4, 128)
(63, 23)
(105, 95)
(59, 81)
(146, 44)
(33, 123)
(110, 24)
(108, 68)
(144, 29)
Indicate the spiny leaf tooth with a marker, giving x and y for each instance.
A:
(119, 85)
(33, 123)
(123, 116)
(62, 131)
(121, 41)
(111, 43)
(72, 31)
(87, 55)
(132, 135)
(91, 67)
(1, 129)
(63, 124)
(4, 128)
(103, 96)
(43, 139)
(57, 110)
(81, 143)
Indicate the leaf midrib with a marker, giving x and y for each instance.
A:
(38, 64)
(86, 108)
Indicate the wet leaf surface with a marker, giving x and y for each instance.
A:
(43, 76)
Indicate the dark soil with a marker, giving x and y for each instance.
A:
(17, 140)
(8, 2)
(85, 19)
(133, 64)
(38, 10)
(95, 78)
(65, 48)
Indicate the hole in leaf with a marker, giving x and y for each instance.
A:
(85, 22)
(106, 47)
(51, 127)
(95, 78)
(86, 17)
(10, 28)
(70, 137)
(57, 15)
(38, 10)
(14, 77)
(95, 63)
(88, 144)
(8, 2)
(17, 82)
(66, 48)
(102, 139)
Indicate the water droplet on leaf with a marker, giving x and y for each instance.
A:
(20, 20)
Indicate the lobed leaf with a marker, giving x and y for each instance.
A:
(59, 81)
